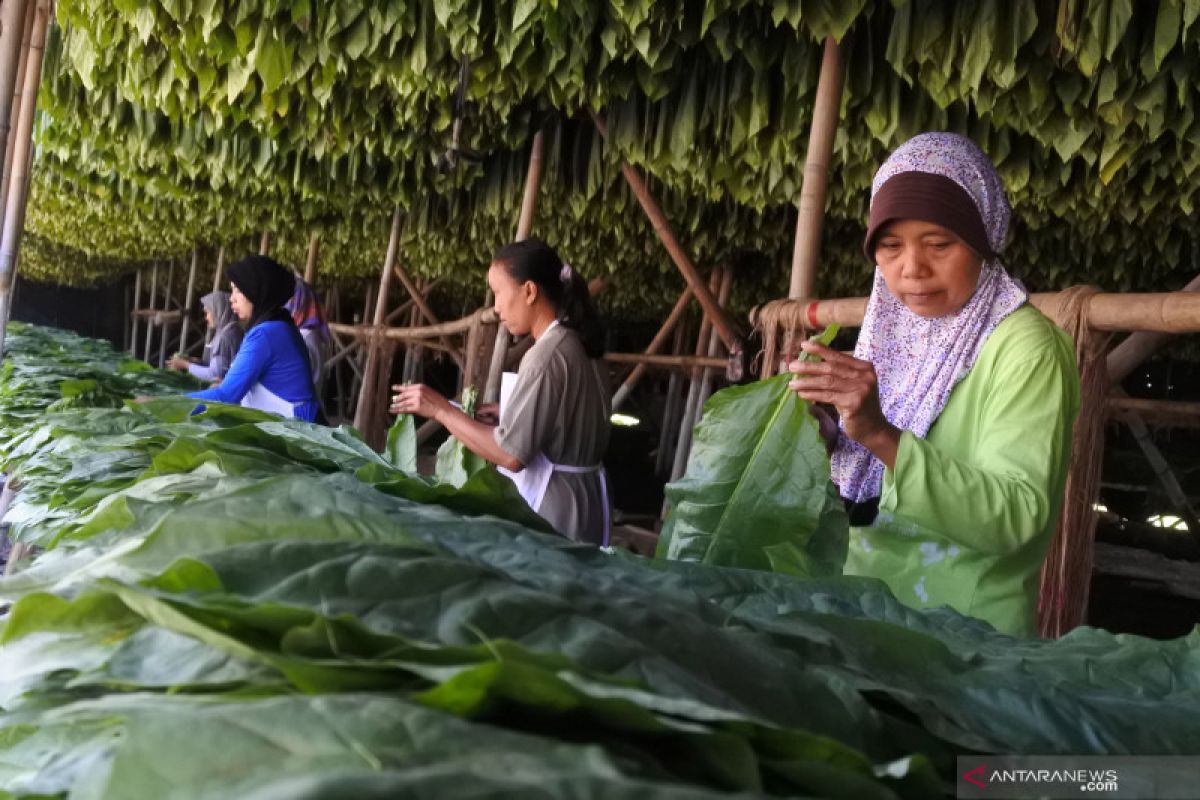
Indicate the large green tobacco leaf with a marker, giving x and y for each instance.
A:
(757, 492)
(352, 745)
(401, 449)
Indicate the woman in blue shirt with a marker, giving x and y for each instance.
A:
(270, 371)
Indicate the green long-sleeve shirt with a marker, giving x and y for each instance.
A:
(967, 513)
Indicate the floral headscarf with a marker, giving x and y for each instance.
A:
(919, 361)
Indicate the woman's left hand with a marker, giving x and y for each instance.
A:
(416, 398)
(849, 385)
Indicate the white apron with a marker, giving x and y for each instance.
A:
(533, 481)
(264, 399)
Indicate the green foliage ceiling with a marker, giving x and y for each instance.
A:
(171, 122)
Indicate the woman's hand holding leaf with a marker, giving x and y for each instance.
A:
(416, 398)
(849, 385)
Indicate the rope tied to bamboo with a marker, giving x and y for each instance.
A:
(1067, 570)
(781, 321)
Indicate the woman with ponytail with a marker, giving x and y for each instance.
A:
(554, 424)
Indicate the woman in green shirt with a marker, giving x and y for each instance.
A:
(956, 410)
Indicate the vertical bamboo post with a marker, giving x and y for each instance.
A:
(218, 271)
(162, 336)
(264, 244)
(683, 445)
(137, 299)
(310, 264)
(150, 307)
(666, 438)
(14, 213)
(16, 24)
(373, 394)
(127, 299)
(811, 214)
(714, 349)
(533, 179)
(188, 298)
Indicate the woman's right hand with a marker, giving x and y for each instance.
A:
(416, 398)
(178, 363)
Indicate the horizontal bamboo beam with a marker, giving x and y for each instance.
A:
(1167, 312)
(669, 361)
(1168, 413)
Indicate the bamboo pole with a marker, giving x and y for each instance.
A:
(188, 297)
(462, 325)
(137, 298)
(150, 307)
(1164, 312)
(714, 348)
(1169, 413)
(310, 264)
(533, 179)
(683, 444)
(126, 338)
(218, 271)
(418, 297)
(14, 213)
(162, 321)
(672, 407)
(724, 324)
(1137, 347)
(660, 338)
(684, 363)
(264, 244)
(16, 24)
(367, 414)
(811, 214)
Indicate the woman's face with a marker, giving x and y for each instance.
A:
(927, 267)
(209, 318)
(514, 301)
(241, 305)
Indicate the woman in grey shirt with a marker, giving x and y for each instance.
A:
(554, 423)
(227, 338)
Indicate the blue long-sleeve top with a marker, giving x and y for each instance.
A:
(274, 355)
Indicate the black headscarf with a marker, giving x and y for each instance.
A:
(266, 284)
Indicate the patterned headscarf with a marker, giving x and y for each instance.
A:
(307, 311)
(919, 361)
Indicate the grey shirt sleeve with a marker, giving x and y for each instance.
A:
(527, 418)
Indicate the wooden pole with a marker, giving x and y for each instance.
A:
(126, 338)
(16, 25)
(714, 348)
(533, 179)
(1164, 312)
(310, 264)
(1166, 413)
(150, 307)
(1137, 347)
(683, 445)
(684, 363)
(188, 297)
(137, 298)
(218, 271)
(162, 336)
(712, 309)
(811, 214)
(14, 213)
(264, 244)
(660, 338)
(368, 414)
(670, 423)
